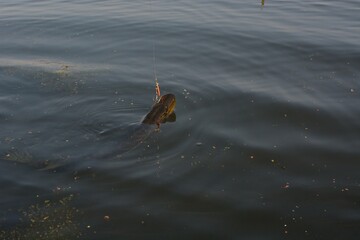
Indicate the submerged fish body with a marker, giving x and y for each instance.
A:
(132, 135)
(161, 112)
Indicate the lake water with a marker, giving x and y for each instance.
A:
(266, 144)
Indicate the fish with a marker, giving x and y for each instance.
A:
(111, 142)
(161, 112)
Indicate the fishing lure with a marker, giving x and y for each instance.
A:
(157, 90)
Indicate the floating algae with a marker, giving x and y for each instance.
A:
(53, 74)
(64, 70)
(62, 79)
(55, 220)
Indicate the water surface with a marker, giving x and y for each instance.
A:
(266, 142)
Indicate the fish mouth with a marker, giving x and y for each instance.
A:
(162, 110)
(169, 102)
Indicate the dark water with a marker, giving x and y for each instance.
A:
(267, 139)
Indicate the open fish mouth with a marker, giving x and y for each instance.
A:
(161, 110)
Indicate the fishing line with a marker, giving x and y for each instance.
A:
(157, 87)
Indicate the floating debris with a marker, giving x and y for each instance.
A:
(63, 70)
(45, 221)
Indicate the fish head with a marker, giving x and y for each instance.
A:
(169, 103)
(162, 110)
